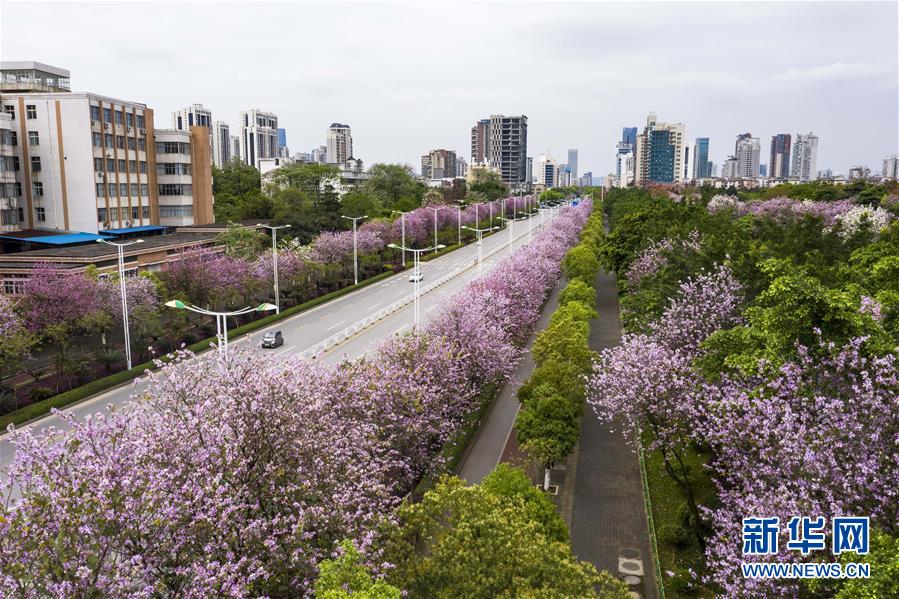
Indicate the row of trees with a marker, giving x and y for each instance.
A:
(763, 335)
(548, 425)
(305, 197)
(238, 474)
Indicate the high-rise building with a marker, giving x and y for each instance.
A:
(320, 154)
(529, 176)
(779, 162)
(629, 136)
(702, 168)
(11, 212)
(258, 136)
(660, 152)
(625, 164)
(891, 167)
(438, 164)
(479, 141)
(689, 160)
(461, 167)
(340, 143)
(88, 162)
(183, 176)
(763, 170)
(572, 162)
(587, 179)
(187, 117)
(747, 150)
(805, 157)
(547, 171)
(507, 148)
(221, 143)
(730, 168)
(235, 148)
(283, 150)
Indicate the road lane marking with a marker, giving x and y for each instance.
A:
(375, 306)
(397, 332)
(285, 350)
(335, 326)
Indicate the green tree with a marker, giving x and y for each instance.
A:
(581, 263)
(346, 576)
(482, 541)
(883, 558)
(316, 180)
(238, 196)
(488, 182)
(432, 197)
(547, 428)
(242, 242)
(395, 186)
(361, 203)
(578, 291)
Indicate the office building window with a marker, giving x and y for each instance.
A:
(174, 189)
(143, 167)
(13, 138)
(98, 165)
(142, 144)
(15, 284)
(132, 144)
(37, 189)
(135, 212)
(144, 189)
(107, 115)
(95, 113)
(18, 189)
(111, 190)
(140, 121)
(101, 215)
(11, 111)
(109, 142)
(123, 165)
(145, 212)
(33, 138)
(30, 111)
(110, 165)
(40, 214)
(172, 147)
(172, 168)
(134, 189)
(176, 211)
(97, 139)
(35, 164)
(129, 119)
(123, 190)
(120, 142)
(132, 167)
(15, 163)
(119, 119)
(101, 190)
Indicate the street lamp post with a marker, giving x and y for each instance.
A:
(274, 231)
(459, 214)
(403, 227)
(355, 256)
(221, 322)
(480, 234)
(120, 248)
(416, 270)
(436, 210)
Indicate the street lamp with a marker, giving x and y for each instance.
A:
(120, 247)
(221, 322)
(274, 231)
(436, 210)
(459, 214)
(480, 234)
(416, 271)
(511, 227)
(355, 259)
(403, 225)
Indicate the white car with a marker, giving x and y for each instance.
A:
(416, 276)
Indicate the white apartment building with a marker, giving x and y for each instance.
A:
(547, 171)
(82, 162)
(183, 176)
(805, 157)
(221, 143)
(11, 213)
(660, 156)
(572, 162)
(747, 152)
(730, 168)
(891, 167)
(187, 117)
(235, 147)
(340, 144)
(258, 136)
(624, 168)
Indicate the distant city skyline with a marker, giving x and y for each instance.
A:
(594, 79)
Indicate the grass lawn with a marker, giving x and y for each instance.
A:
(667, 499)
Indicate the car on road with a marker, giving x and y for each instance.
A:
(416, 276)
(272, 339)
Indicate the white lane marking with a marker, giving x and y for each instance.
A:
(375, 306)
(401, 328)
(285, 350)
(429, 309)
(335, 326)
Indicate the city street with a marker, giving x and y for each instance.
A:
(309, 328)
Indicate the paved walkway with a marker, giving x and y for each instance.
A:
(488, 447)
(608, 521)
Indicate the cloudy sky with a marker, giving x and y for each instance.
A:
(408, 77)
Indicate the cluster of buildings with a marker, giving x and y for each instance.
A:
(661, 153)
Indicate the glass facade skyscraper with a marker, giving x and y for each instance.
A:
(703, 168)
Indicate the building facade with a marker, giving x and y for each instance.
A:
(805, 157)
(747, 151)
(779, 160)
(340, 144)
(891, 167)
(187, 117)
(730, 168)
(479, 141)
(506, 147)
(660, 152)
(183, 177)
(572, 162)
(235, 147)
(461, 167)
(82, 162)
(258, 136)
(547, 171)
(221, 143)
(11, 213)
(702, 167)
(438, 164)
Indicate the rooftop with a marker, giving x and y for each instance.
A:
(97, 251)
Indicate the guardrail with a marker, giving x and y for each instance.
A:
(336, 339)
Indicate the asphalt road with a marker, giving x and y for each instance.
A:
(309, 328)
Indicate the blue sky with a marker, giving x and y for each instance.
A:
(408, 77)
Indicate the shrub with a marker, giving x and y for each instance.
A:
(39, 393)
(578, 291)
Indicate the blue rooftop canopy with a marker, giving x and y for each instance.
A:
(134, 230)
(66, 239)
